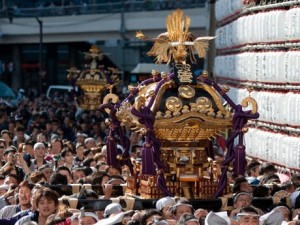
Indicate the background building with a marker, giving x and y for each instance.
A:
(40, 40)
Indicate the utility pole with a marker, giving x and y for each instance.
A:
(211, 32)
(123, 40)
(3, 4)
(41, 68)
(40, 74)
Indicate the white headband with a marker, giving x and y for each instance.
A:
(247, 214)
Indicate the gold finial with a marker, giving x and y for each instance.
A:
(164, 75)
(73, 73)
(95, 54)
(140, 35)
(154, 73)
(107, 121)
(225, 88)
(245, 129)
(204, 74)
(177, 43)
(249, 89)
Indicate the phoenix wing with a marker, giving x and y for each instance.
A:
(201, 45)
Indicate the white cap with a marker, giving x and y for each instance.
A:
(241, 193)
(274, 217)
(294, 197)
(4, 186)
(112, 208)
(38, 145)
(115, 219)
(88, 139)
(89, 214)
(163, 202)
(81, 134)
(220, 218)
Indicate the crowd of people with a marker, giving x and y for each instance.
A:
(50, 145)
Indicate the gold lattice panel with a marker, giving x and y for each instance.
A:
(190, 127)
(208, 188)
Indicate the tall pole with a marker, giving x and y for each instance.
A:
(3, 4)
(123, 40)
(211, 32)
(40, 53)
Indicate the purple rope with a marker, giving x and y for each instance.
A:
(151, 147)
(238, 153)
(136, 90)
(116, 130)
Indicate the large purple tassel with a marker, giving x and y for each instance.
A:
(147, 159)
(162, 184)
(240, 160)
(111, 152)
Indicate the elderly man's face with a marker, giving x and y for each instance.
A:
(90, 144)
(248, 220)
(87, 220)
(181, 210)
(243, 201)
(192, 223)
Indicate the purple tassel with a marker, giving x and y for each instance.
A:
(240, 160)
(111, 152)
(147, 160)
(162, 185)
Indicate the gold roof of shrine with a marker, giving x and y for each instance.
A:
(182, 112)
